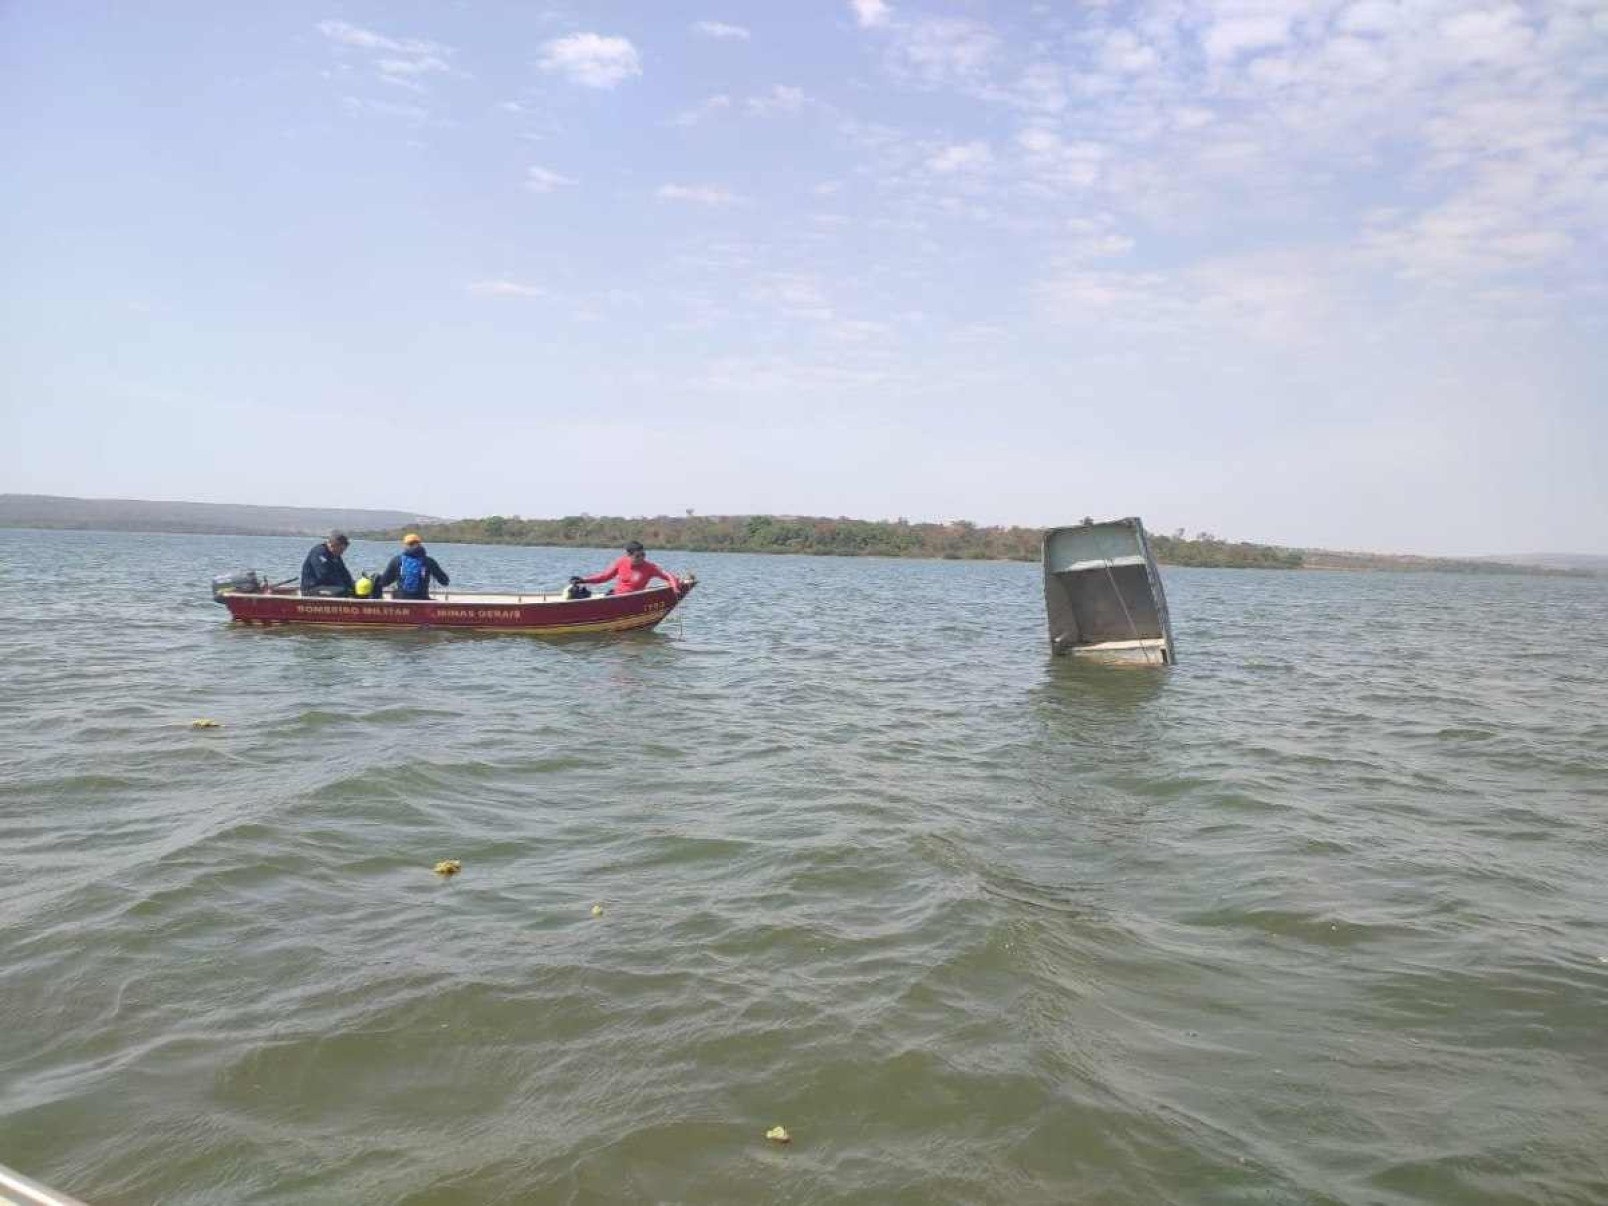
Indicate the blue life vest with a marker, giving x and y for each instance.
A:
(414, 576)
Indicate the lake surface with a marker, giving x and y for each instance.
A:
(1320, 915)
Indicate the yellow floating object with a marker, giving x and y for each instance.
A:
(597, 910)
(205, 724)
(778, 1134)
(448, 866)
(364, 587)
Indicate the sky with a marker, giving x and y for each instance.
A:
(1312, 272)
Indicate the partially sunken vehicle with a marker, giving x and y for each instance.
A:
(1103, 593)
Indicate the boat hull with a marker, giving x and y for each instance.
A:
(534, 615)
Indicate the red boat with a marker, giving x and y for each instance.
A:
(252, 601)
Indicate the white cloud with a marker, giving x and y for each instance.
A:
(941, 50)
(1371, 16)
(701, 194)
(749, 375)
(870, 14)
(1233, 36)
(797, 295)
(1091, 243)
(366, 39)
(1287, 299)
(1495, 34)
(1056, 164)
(780, 99)
(1041, 88)
(541, 180)
(423, 65)
(504, 288)
(1124, 53)
(1072, 296)
(1191, 117)
(1038, 141)
(856, 330)
(1477, 234)
(705, 108)
(962, 157)
(361, 106)
(721, 30)
(593, 60)
(399, 61)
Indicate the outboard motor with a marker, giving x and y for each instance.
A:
(241, 582)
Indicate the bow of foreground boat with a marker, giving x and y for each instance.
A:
(18, 1190)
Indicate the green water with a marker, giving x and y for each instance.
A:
(1319, 916)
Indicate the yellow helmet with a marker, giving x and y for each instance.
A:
(365, 587)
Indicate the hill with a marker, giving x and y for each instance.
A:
(1594, 563)
(1330, 559)
(139, 515)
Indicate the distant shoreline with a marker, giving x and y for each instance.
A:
(955, 541)
(51, 512)
(816, 537)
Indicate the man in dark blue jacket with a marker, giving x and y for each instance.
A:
(412, 570)
(324, 573)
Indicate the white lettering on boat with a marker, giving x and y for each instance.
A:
(428, 615)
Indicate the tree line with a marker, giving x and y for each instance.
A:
(958, 540)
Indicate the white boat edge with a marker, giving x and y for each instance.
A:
(18, 1190)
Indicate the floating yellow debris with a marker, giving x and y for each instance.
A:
(778, 1134)
(597, 910)
(205, 724)
(448, 866)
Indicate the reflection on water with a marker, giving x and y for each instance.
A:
(1302, 919)
(1099, 688)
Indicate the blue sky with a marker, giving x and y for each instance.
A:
(1323, 272)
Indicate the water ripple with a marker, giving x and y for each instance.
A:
(1313, 917)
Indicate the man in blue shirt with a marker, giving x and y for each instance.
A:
(324, 573)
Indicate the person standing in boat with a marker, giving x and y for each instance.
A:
(411, 570)
(632, 572)
(324, 572)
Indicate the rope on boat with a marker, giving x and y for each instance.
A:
(1144, 649)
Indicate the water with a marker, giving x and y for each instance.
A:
(1319, 916)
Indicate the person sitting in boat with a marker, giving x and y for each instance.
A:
(632, 572)
(324, 572)
(411, 571)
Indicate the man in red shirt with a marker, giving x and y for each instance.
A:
(633, 572)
